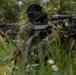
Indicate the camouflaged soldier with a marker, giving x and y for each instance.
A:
(37, 19)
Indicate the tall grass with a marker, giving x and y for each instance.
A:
(5, 57)
(65, 64)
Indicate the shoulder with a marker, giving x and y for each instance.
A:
(25, 27)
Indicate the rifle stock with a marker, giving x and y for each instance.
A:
(42, 27)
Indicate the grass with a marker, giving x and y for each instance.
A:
(5, 57)
(64, 62)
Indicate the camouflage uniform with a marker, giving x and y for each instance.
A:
(27, 32)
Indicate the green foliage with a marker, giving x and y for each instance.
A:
(9, 10)
(13, 11)
(64, 63)
(5, 57)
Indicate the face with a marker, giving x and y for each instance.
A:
(33, 15)
(34, 12)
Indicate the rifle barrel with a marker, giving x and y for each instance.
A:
(58, 17)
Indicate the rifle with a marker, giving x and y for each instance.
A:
(5, 27)
(71, 28)
(59, 17)
(8, 31)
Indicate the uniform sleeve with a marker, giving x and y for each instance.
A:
(21, 37)
(26, 30)
(23, 32)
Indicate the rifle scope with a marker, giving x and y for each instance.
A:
(58, 17)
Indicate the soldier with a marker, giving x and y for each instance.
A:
(37, 17)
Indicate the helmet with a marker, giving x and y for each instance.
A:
(36, 13)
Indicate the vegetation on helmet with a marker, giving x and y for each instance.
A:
(36, 13)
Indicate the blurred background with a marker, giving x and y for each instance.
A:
(14, 11)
